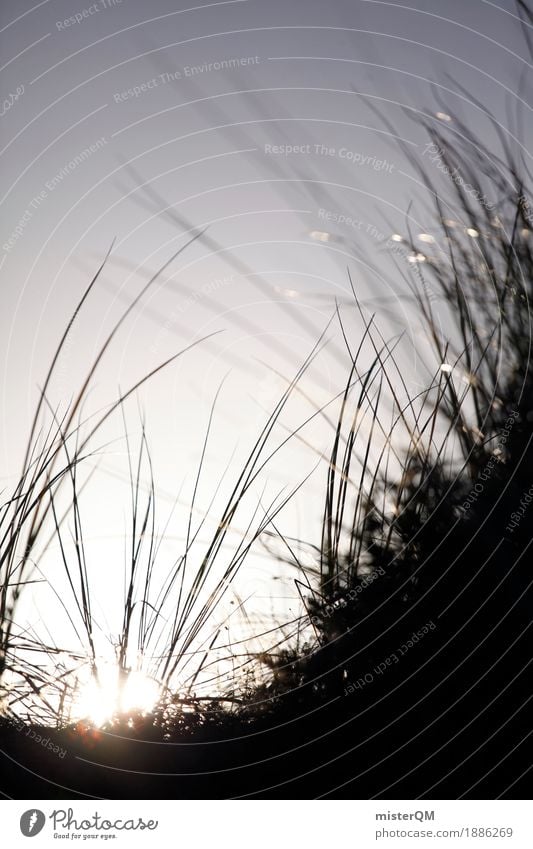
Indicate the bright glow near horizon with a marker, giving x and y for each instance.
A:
(98, 702)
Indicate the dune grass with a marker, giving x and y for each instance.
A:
(419, 486)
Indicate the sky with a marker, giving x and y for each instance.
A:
(278, 131)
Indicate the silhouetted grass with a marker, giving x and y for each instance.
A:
(420, 488)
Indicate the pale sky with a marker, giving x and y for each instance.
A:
(258, 121)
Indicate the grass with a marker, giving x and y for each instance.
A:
(419, 489)
(167, 629)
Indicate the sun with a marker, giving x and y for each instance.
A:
(99, 701)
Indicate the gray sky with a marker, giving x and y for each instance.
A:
(253, 120)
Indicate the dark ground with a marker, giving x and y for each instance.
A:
(439, 724)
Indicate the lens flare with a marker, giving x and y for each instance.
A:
(100, 700)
